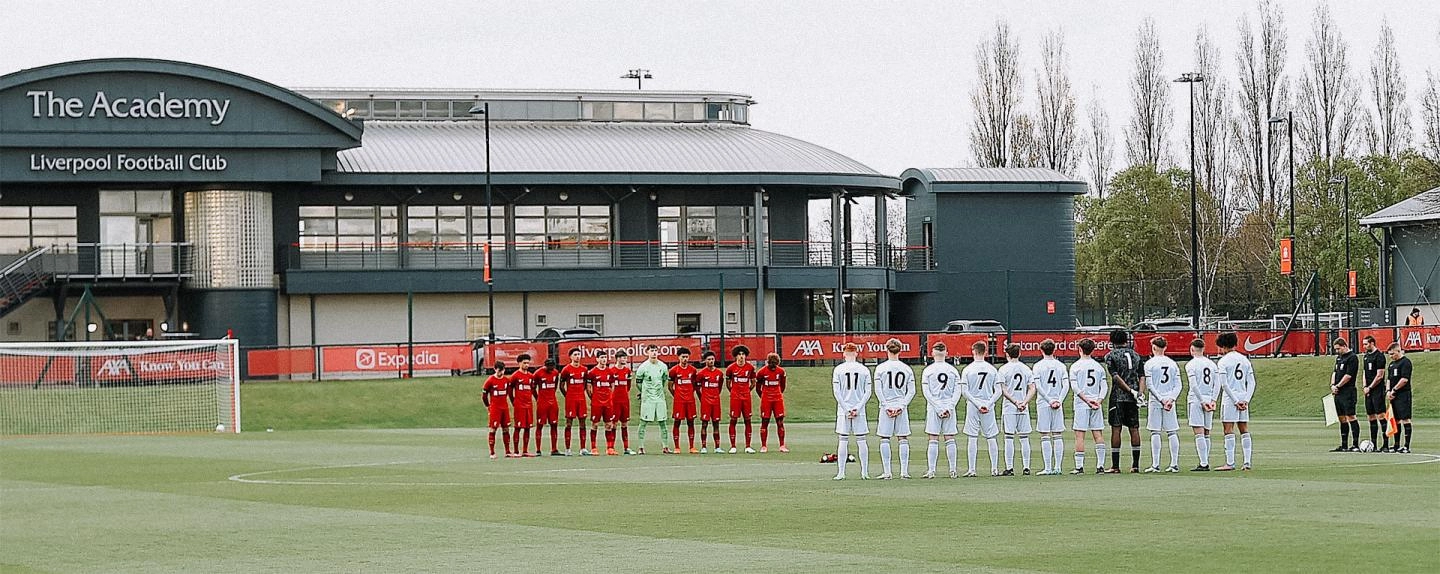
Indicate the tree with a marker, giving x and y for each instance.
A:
(1329, 100)
(1389, 131)
(1099, 152)
(995, 97)
(1055, 123)
(1150, 117)
(1261, 92)
(1025, 145)
(1430, 110)
(1214, 161)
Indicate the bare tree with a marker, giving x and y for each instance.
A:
(1026, 147)
(1389, 131)
(1430, 109)
(1055, 122)
(1099, 150)
(1261, 93)
(1214, 161)
(1329, 99)
(995, 97)
(1150, 115)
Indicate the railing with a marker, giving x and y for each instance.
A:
(119, 261)
(22, 278)
(597, 254)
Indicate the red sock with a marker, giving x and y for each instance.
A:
(492, 443)
(568, 430)
(506, 430)
(717, 435)
(691, 432)
(732, 434)
(553, 438)
(625, 435)
(764, 433)
(676, 435)
(610, 439)
(521, 444)
(780, 430)
(593, 442)
(747, 433)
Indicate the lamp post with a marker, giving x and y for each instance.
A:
(1289, 121)
(1193, 78)
(484, 110)
(639, 75)
(1344, 182)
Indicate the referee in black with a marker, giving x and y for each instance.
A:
(1400, 371)
(1127, 372)
(1374, 382)
(1342, 385)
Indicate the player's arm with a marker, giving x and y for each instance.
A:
(783, 380)
(998, 384)
(1030, 392)
(1173, 394)
(1379, 380)
(1404, 381)
(967, 377)
(485, 393)
(909, 375)
(927, 388)
(865, 392)
(839, 388)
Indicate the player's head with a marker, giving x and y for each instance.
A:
(602, 358)
(1087, 347)
(1197, 348)
(709, 358)
(893, 347)
(1012, 352)
(550, 363)
(1342, 346)
(1395, 351)
(523, 360)
(499, 367)
(622, 357)
(652, 351)
(1119, 338)
(684, 355)
(978, 349)
(1369, 342)
(772, 359)
(850, 350)
(575, 355)
(740, 353)
(1157, 346)
(938, 352)
(1227, 341)
(1047, 347)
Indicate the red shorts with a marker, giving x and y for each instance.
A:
(685, 410)
(741, 407)
(772, 408)
(575, 407)
(620, 408)
(601, 412)
(548, 413)
(710, 410)
(499, 416)
(524, 416)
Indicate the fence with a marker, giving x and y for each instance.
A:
(1239, 295)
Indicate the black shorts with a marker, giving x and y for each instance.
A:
(1375, 402)
(1401, 405)
(1345, 403)
(1125, 415)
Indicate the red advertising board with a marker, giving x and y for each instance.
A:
(143, 367)
(814, 347)
(1420, 338)
(1067, 345)
(509, 352)
(396, 358)
(1287, 256)
(1383, 337)
(956, 344)
(276, 362)
(669, 347)
(1268, 342)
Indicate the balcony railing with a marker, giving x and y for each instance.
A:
(117, 261)
(599, 254)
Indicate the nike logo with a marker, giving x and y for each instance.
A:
(1251, 347)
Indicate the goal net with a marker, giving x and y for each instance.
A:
(119, 387)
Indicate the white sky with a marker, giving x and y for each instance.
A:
(886, 83)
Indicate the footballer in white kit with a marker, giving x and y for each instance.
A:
(942, 393)
(895, 388)
(851, 383)
(1051, 381)
(1204, 379)
(1087, 379)
(1237, 386)
(1016, 387)
(1162, 384)
(980, 393)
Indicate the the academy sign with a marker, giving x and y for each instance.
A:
(46, 104)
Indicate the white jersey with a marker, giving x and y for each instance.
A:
(1087, 378)
(1204, 380)
(1162, 379)
(980, 379)
(942, 386)
(1015, 380)
(851, 381)
(1237, 378)
(894, 385)
(1051, 380)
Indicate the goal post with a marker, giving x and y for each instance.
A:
(119, 387)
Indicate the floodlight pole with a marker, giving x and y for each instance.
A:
(1193, 78)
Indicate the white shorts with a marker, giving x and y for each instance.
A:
(1161, 419)
(1016, 423)
(1051, 420)
(1230, 414)
(977, 424)
(1200, 418)
(1088, 419)
(893, 426)
(846, 425)
(938, 426)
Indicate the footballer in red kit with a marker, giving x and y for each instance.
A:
(739, 380)
(601, 380)
(495, 394)
(522, 398)
(620, 400)
(770, 380)
(682, 388)
(573, 384)
(711, 381)
(547, 405)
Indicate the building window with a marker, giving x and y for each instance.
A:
(562, 227)
(706, 227)
(477, 327)
(23, 228)
(12, 328)
(732, 318)
(596, 322)
(542, 320)
(53, 331)
(687, 323)
(348, 227)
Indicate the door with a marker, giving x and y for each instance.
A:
(119, 235)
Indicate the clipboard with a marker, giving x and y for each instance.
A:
(1328, 402)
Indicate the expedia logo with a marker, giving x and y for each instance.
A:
(365, 358)
(807, 348)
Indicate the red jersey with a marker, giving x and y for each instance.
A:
(622, 379)
(772, 381)
(522, 389)
(710, 380)
(546, 380)
(683, 377)
(496, 388)
(741, 377)
(573, 377)
(602, 384)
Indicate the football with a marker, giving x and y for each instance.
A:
(1367, 446)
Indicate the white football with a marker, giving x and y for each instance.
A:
(1367, 446)
(220, 428)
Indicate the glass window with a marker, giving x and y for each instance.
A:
(411, 108)
(562, 227)
(383, 109)
(152, 201)
(741, 113)
(529, 210)
(317, 211)
(689, 112)
(461, 109)
(117, 201)
(60, 211)
(659, 111)
(712, 111)
(687, 323)
(477, 327)
(589, 321)
(629, 111)
(440, 109)
(603, 111)
(23, 227)
(361, 108)
(711, 227)
(348, 227)
(670, 211)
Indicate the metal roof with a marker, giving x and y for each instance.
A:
(995, 180)
(328, 93)
(446, 147)
(1424, 206)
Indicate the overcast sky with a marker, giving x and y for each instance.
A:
(886, 83)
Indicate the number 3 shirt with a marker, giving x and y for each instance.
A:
(1162, 377)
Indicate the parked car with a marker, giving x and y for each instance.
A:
(570, 334)
(974, 326)
(1167, 324)
(1098, 328)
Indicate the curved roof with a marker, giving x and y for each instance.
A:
(689, 153)
(995, 179)
(1424, 206)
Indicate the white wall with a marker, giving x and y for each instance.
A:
(34, 316)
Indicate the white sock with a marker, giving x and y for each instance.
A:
(952, 454)
(904, 457)
(1100, 452)
(971, 445)
(842, 453)
(1009, 452)
(1025, 451)
(1245, 446)
(1230, 449)
(1200, 450)
(1079, 459)
(1174, 449)
(1057, 445)
(994, 460)
(1044, 450)
(885, 455)
(932, 454)
(1155, 449)
(864, 455)
(1209, 447)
